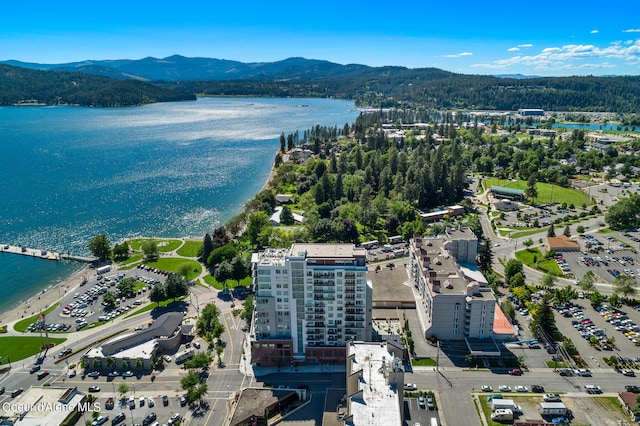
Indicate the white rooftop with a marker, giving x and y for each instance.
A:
(379, 405)
(40, 406)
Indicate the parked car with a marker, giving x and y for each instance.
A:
(421, 402)
(430, 403)
(165, 400)
(537, 388)
(551, 397)
(118, 419)
(504, 388)
(486, 388)
(632, 388)
(515, 372)
(410, 387)
(94, 388)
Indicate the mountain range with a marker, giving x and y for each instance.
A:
(180, 68)
(389, 86)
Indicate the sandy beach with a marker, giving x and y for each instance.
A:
(44, 298)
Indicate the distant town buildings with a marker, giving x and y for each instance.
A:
(310, 300)
(531, 112)
(440, 214)
(457, 300)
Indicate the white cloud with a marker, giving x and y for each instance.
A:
(458, 55)
(513, 49)
(525, 45)
(572, 56)
(632, 30)
(594, 32)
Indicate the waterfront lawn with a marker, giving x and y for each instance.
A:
(172, 264)
(23, 324)
(547, 193)
(131, 260)
(190, 249)
(164, 245)
(21, 347)
(209, 279)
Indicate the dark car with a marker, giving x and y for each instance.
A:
(537, 388)
(183, 401)
(34, 369)
(632, 388)
(515, 372)
(118, 419)
(149, 419)
(165, 400)
(2, 390)
(16, 392)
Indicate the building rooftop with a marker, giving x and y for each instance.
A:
(506, 190)
(379, 402)
(327, 251)
(41, 405)
(164, 326)
(562, 242)
(270, 257)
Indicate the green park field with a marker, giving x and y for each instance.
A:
(547, 193)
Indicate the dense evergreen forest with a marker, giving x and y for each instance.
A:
(61, 88)
(433, 88)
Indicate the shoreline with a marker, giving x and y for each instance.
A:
(42, 299)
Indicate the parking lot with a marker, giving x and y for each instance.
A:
(85, 305)
(417, 413)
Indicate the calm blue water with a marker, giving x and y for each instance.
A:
(167, 170)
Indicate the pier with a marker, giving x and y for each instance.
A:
(44, 254)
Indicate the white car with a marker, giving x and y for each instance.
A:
(150, 402)
(127, 374)
(167, 358)
(410, 387)
(505, 388)
(521, 388)
(486, 388)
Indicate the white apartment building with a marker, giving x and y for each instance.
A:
(456, 298)
(309, 301)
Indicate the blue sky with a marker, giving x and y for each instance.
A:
(474, 37)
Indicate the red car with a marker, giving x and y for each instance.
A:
(515, 372)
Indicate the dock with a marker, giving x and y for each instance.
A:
(43, 254)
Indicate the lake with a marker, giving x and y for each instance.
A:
(165, 170)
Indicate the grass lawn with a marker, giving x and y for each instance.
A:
(22, 325)
(529, 256)
(424, 362)
(551, 266)
(209, 279)
(172, 264)
(131, 260)
(613, 404)
(164, 245)
(21, 347)
(519, 234)
(557, 364)
(190, 248)
(547, 193)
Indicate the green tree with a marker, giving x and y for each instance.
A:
(176, 286)
(109, 299)
(209, 324)
(542, 318)
(223, 273)
(121, 251)
(139, 363)
(158, 293)
(123, 389)
(512, 267)
(184, 270)
(567, 231)
(565, 294)
(247, 309)
(596, 298)
(548, 280)
(149, 249)
(226, 252)
(528, 243)
(551, 232)
(485, 256)
(283, 142)
(126, 286)
(531, 192)
(286, 217)
(580, 229)
(257, 222)
(200, 360)
(587, 283)
(111, 362)
(614, 300)
(624, 214)
(509, 309)
(625, 285)
(190, 381)
(206, 248)
(240, 268)
(100, 246)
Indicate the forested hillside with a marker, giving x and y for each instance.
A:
(59, 88)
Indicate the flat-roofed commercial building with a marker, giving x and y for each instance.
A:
(375, 380)
(456, 297)
(309, 301)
